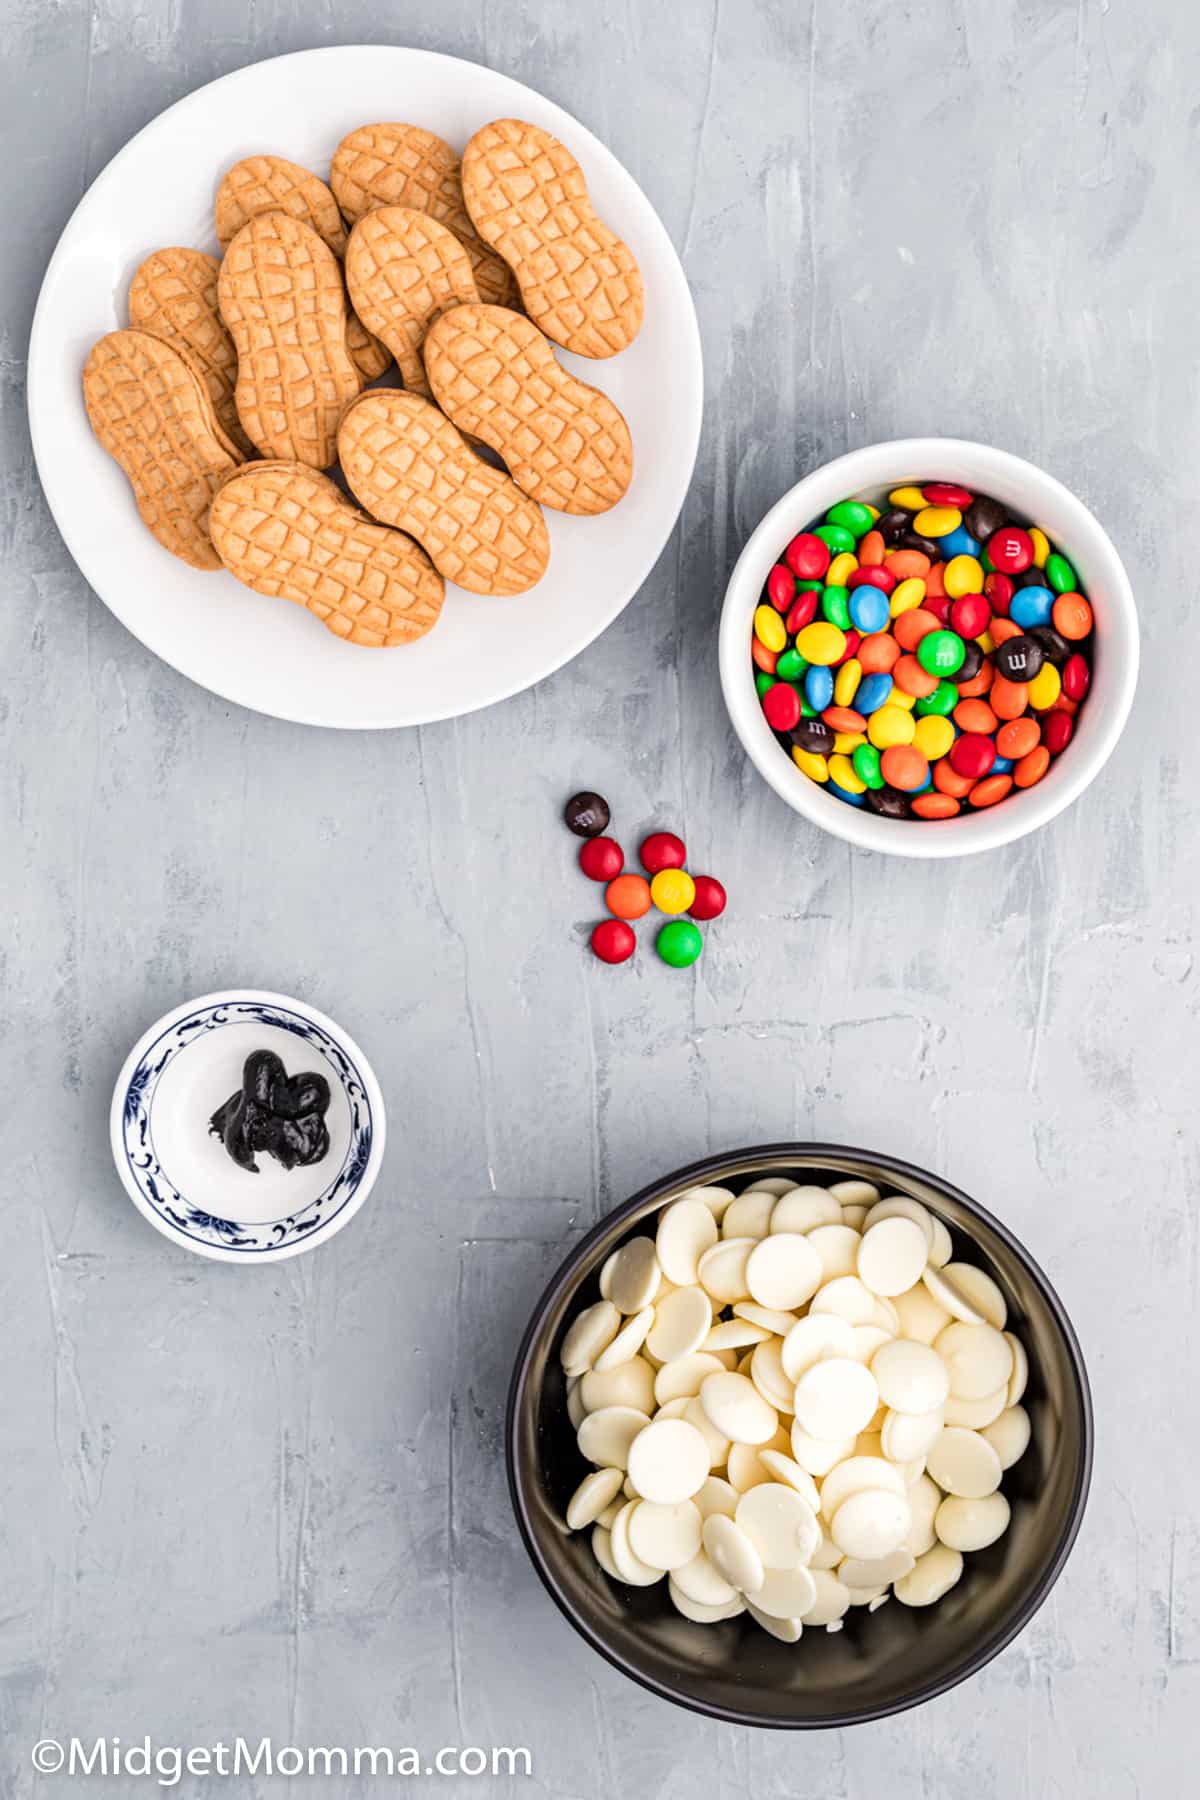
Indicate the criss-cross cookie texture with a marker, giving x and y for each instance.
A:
(260, 184)
(528, 199)
(368, 355)
(562, 440)
(174, 295)
(404, 165)
(403, 269)
(291, 533)
(282, 297)
(409, 466)
(153, 415)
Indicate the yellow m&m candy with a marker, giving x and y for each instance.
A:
(821, 643)
(672, 890)
(937, 521)
(890, 725)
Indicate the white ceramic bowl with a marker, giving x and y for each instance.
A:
(181, 1178)
(867, 475)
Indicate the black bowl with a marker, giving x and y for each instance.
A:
(881, 1662)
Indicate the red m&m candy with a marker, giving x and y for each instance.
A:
(802, 611)
(613, 941)
(781, 587)
(970, 615)
(781, 704)
(972, 755)
(944, 493)
(601, 859)
(874, 575)
(662, 849)
(999, 591)
(709, 902)
(1076, 677)
(807, 557)
(1056, 732)
(1011, 550)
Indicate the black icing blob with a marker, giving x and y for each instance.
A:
(273, 1113)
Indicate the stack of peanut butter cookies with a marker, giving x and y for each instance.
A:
(240, 387)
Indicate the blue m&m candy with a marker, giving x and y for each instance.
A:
(818, 687)
(1031, 606)
(958, 542)
(869, 610)
(872, 693)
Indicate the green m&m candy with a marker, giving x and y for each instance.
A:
(851, 515)
(1059, 573)
(866, 765)
(835, 606)
(941, 652)
(679, 943)
(942, 701)
(835, 538)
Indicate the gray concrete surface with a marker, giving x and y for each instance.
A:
(274, 1503)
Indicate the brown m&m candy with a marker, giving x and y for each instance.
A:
(586, 814)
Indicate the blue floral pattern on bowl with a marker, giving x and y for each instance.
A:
(152, 1180)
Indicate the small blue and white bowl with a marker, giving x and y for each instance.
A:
(180, 1176)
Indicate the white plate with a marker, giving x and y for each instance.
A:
(265, 653)
(181, 1178)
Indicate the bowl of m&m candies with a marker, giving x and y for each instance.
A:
(929, 647)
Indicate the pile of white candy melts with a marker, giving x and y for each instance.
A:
(795, 1403)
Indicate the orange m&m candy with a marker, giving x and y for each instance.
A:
(879, 653)
(991, 789)
(911, 627)
(1018, 738)
(1031, 768)
(947, 780)
(912, 679)
(1009, 698)
(628, 897)
(905, 767)
(1072, 617)
(935, 806)
(908, 564)
(975, 715)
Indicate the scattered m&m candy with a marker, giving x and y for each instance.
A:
(709, 899)
(586, 814)
(601, 859)
(629, 896)
(662, 850)
(613, 941)
(896, 647)
(672, 890)
(679, 943)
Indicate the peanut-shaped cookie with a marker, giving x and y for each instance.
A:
(152, 413)
(409, 466)
(283, 299)
(287, 531)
